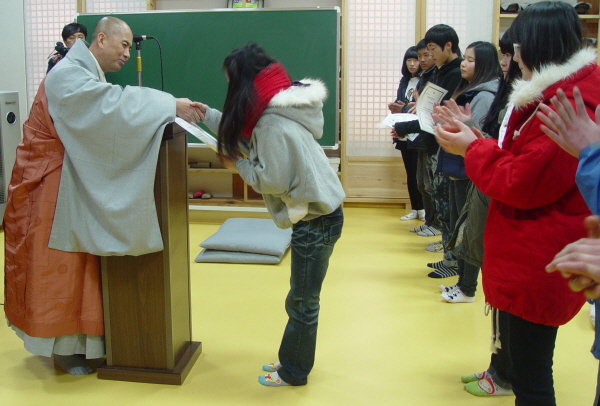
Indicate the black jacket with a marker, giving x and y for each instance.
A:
(401, 97)
(447, 77)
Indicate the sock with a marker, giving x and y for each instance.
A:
(72, 364)
(443, 272)
(272, 379)
(474, 377)
(272, 367)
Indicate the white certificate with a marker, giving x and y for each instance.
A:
(197, 132)
(392, 119)
(429, 97)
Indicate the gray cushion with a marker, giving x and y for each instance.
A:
(234, 257)
(259, 236)
(243, 240)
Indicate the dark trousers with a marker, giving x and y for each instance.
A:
(410, 156)
(424, 183)
(441, 198)
(597, 399)
(526, 359)
(467, 273)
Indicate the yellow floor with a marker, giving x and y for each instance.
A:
(385, 337)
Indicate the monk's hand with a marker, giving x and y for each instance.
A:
(189, 110)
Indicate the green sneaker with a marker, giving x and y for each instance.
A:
(486, 387)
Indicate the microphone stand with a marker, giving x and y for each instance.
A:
(138, 47)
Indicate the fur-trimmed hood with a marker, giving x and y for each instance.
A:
(525, 92)
(302, 102)
(302, 93)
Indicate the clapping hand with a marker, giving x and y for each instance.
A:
(455, 137)
(572, 129)
(580, 261)
(452, 111)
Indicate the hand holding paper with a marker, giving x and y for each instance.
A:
(392, 119)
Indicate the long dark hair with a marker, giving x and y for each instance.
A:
(411, 53)
(241, 66)
(548, 32)
(491, 126)
(487, 67)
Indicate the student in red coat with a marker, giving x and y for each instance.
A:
(535, 206)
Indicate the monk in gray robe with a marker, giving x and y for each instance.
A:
(82, 186)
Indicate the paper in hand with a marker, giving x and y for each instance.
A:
(197, 132)
(394, 118)
(429, 97)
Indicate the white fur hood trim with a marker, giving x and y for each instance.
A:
(300, 95)
(525, 92)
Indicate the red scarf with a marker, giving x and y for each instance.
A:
(269, 81)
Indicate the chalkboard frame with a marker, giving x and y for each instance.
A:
(193, 56)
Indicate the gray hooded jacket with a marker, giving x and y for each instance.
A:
(285, 162)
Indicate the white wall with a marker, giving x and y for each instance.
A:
(12, 68)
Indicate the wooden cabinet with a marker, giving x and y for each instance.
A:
(226, 186)
(589, 21)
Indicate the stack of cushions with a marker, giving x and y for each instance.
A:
(246, 241)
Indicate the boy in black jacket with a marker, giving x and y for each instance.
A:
(442, 42)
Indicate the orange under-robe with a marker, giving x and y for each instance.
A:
(48, 293)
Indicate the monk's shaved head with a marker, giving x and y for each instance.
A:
(111, 43)
(109, 26)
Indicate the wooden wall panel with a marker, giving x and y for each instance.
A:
(371, 180)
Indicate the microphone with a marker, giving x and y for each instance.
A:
(138, 38)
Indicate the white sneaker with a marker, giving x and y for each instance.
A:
(456, 296)
(421, 214)
(410, 216)
(447, 289)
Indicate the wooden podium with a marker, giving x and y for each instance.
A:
(147, 298)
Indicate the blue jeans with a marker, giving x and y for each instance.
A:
(312, 245)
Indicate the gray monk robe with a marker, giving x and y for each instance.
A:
(112, 138)
(105, 203)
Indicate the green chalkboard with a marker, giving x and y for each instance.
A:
(195, 43)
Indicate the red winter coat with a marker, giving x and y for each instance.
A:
(536, 208)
